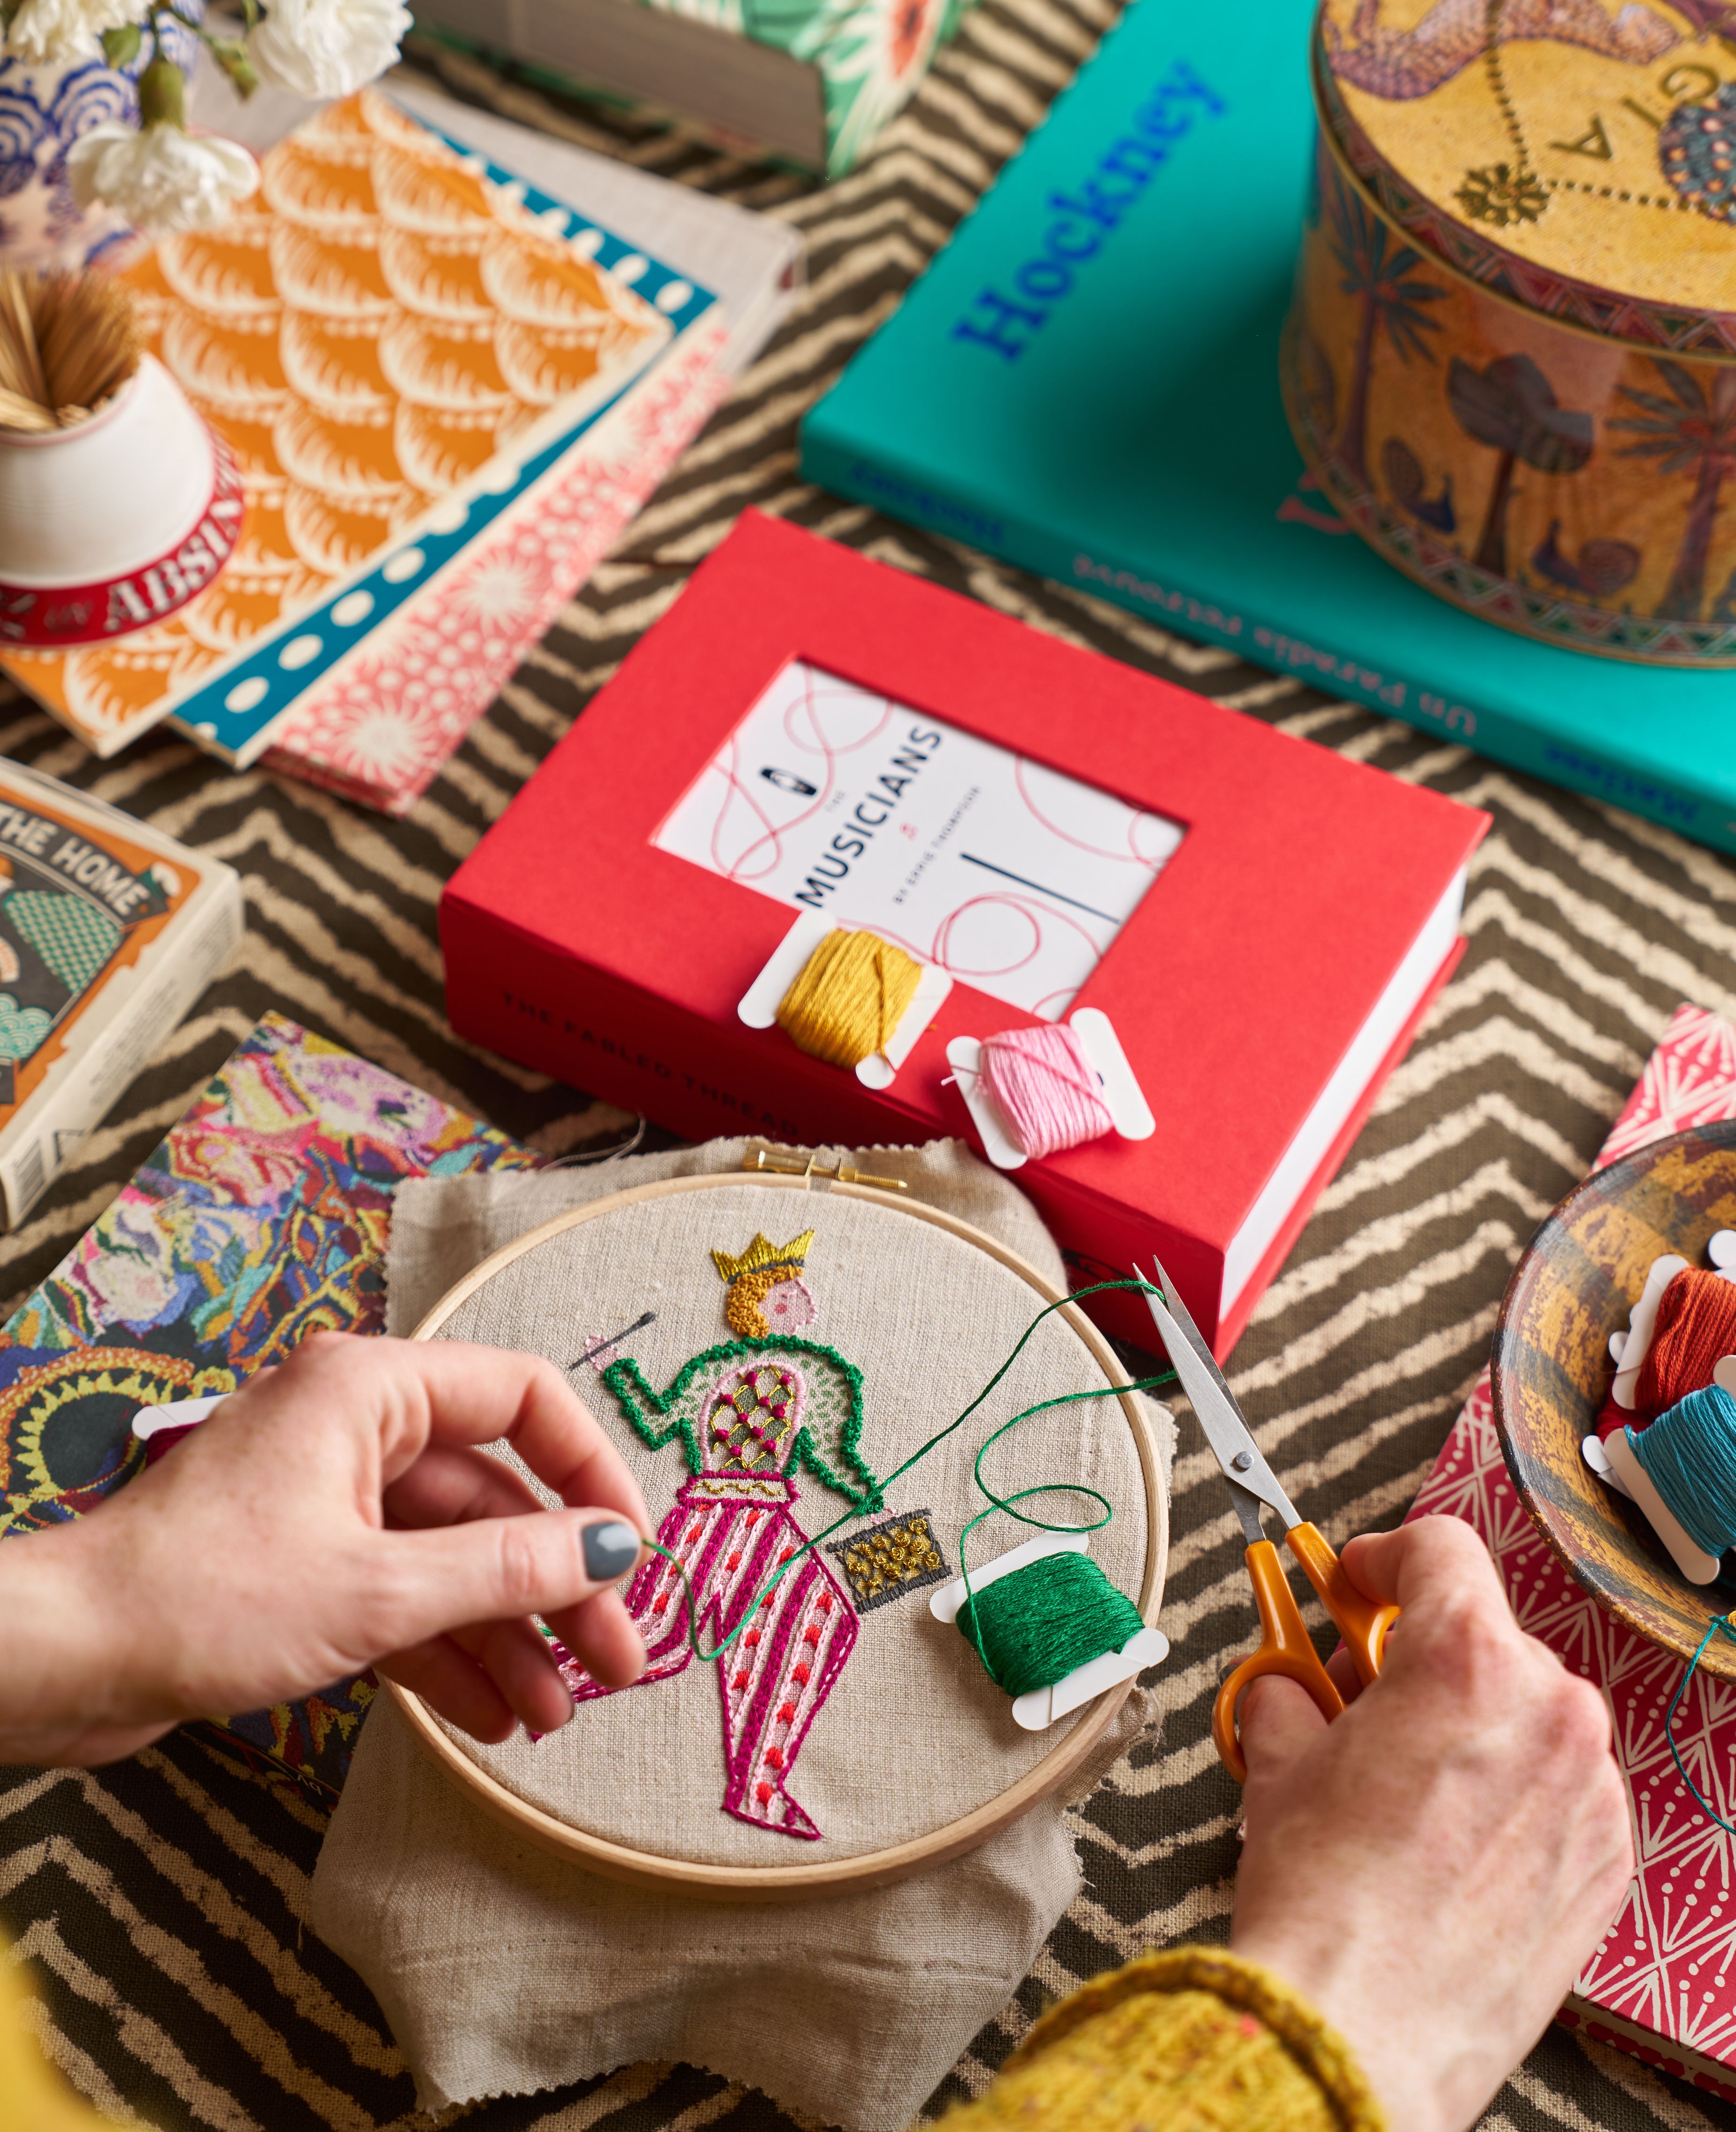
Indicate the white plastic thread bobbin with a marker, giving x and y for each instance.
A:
(760, 1002)
(1641, 1321)
(178, 1413)
(1123, 1097)
(1036, 1711)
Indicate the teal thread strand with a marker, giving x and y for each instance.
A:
(864, 1505)
(1689, 1455)
(1717, 1622)
(1032, 1627)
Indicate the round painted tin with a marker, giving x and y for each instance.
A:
(1512, 358)
(1578, 157)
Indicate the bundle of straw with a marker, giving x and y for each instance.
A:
(67, 343)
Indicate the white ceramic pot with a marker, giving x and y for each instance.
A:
(116, 522)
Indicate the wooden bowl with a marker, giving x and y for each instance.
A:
(1573, 1287)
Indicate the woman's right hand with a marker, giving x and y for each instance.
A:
(1434, 1870)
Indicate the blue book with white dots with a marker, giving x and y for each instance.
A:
(1085, 382)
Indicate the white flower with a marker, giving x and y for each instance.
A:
(326, 47)
(44, 31)
(159, 178)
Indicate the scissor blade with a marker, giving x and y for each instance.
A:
(1248, 1507)
(1231, 1441)
(1184, 1317)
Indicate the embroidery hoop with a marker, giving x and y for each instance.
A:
(726, 1883)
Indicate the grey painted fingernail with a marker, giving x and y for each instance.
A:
(610, 1551)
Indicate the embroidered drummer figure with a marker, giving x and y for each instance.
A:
(750, 1413)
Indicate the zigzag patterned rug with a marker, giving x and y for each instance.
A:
(164, 1901)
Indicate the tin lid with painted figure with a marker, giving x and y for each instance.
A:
(1578, 156)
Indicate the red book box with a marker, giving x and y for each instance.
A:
(1262, 986)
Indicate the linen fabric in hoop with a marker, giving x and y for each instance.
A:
(899, 1732)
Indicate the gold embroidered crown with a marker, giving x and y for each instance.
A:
(762, 1254)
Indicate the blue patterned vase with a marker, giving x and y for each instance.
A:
(43, 110)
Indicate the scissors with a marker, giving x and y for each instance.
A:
(1284, 1647)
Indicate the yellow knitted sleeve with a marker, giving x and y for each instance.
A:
(1195, 2040)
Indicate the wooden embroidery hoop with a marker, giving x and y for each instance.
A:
(874, 1868)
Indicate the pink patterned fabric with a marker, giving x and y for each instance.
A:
(1663, 1984)
(731, 1526)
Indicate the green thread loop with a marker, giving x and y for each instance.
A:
(1724, 1621)
(873, 1499)
(1032, 1627)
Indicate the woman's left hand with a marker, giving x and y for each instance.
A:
(337, 1513)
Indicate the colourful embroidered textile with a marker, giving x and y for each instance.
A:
(263, 1218)
(746, 1412)
(861, 1336)
(847, 2011)
(773, 1684)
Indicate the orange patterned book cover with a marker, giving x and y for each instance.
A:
(395, 339)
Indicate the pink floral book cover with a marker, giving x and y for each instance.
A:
(1662, 1986)
(263, 1218)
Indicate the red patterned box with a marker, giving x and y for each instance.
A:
(1662, 1986)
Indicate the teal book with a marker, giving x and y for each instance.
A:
(1085, 381)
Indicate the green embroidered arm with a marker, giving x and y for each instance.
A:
(835, 1418)
(649, 1415)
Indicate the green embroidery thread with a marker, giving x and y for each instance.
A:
(645, 1408)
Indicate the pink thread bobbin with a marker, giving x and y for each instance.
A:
(1047, 1089)
(1038, 1090)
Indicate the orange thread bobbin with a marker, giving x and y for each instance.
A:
(1694, 1327)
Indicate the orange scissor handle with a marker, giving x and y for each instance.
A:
(1363, 1623)
(1284, 1649)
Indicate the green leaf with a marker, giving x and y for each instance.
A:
(231, 55)
(121, 44)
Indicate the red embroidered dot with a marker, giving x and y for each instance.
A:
(767, 1599)
(695, 1534)
(799, 1673)
(764, 1793)
(788, 1555)
(741, 1679)
(825, 1602)
(751, 1636)
(811, 1634)
(774, 1758)
(659, 1605)
(735, 1560)
(787, 1713)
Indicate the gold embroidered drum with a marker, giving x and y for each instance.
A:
(763, 1355)
(1511, 361)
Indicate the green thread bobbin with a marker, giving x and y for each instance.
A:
(1035, 1626)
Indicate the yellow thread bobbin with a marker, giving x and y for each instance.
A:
(848, 997)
